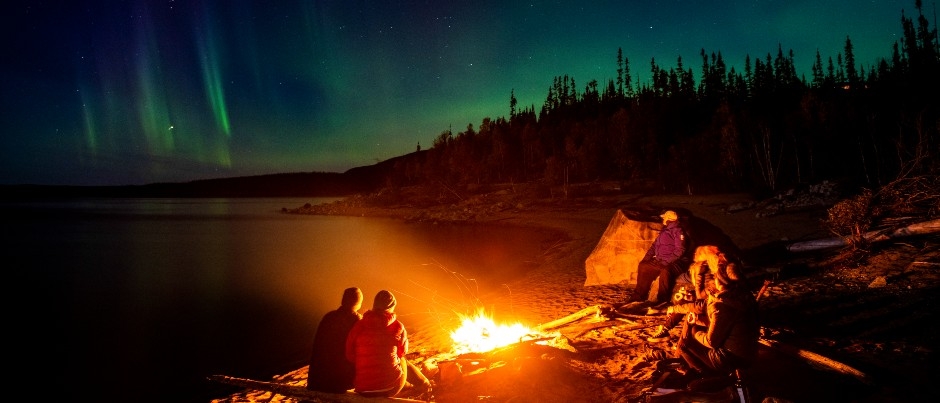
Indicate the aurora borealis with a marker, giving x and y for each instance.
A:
(137, 92)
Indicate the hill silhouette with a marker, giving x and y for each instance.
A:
(365, 179)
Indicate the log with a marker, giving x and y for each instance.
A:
(591, 310)
(923, 228)
(681, 396)
(612, 323)
(818, 359)
(301, 392)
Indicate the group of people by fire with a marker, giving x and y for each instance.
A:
(720, 331)
(718, 313)
(364, 351)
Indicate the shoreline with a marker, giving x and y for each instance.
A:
(609, 364)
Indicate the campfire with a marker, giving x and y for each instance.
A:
(480, 344)
(479, 333)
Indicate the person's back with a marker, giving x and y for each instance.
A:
(329, 369)
(377, 345)
(731, 340)
(735, 310)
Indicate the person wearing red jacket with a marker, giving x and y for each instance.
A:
(377, 345)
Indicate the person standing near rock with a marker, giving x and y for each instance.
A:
(329, 370)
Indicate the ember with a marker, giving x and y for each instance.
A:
(480, 334)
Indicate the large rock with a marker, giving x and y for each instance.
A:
(621, 247)
(626, 240)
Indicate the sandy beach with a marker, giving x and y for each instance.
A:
(833, 330)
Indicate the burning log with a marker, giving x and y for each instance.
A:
(301, 392)
(923, 228)
(503, 350)
(473, 364)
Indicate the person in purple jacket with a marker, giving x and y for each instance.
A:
(663, 259)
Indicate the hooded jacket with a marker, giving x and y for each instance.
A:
(329, 370)
(733, 330)
(376, 345)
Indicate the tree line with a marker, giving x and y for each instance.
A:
(712, 128)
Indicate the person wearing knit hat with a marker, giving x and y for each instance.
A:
(384, 301)
(377, 346)
(329, 370)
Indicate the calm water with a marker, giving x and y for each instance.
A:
(141, 299)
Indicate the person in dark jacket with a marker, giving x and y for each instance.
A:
(329, 370)
(663, 259)
(731, 340)
(694, 300)
(377, 345)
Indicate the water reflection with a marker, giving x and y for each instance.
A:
(129, 294)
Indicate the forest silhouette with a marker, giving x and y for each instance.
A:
(759, 130)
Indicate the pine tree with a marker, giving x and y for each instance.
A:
(850, 73)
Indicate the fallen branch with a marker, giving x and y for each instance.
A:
(763, 289)
(301, 392)
(592, 310)
(923, 228)
(680, 396)
(612, 323)
(818, 359)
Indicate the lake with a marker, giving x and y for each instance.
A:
(141, 299)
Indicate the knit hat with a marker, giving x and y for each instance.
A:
(352, 298)
(384, 301)
(727, 274)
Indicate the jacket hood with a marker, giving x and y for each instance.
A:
(384, 318)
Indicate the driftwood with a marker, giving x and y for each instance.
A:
(591, 310)
(301, 392)
(681, 396)
(631, 325)
(923, 228)
(814, 358)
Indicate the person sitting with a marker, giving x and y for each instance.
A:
(329, 370)
(731, 340)
(691, 297)
(377, 345)
(663, 260)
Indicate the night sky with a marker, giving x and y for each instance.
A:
(138, 92)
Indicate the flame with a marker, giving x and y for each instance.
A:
(480, 334)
